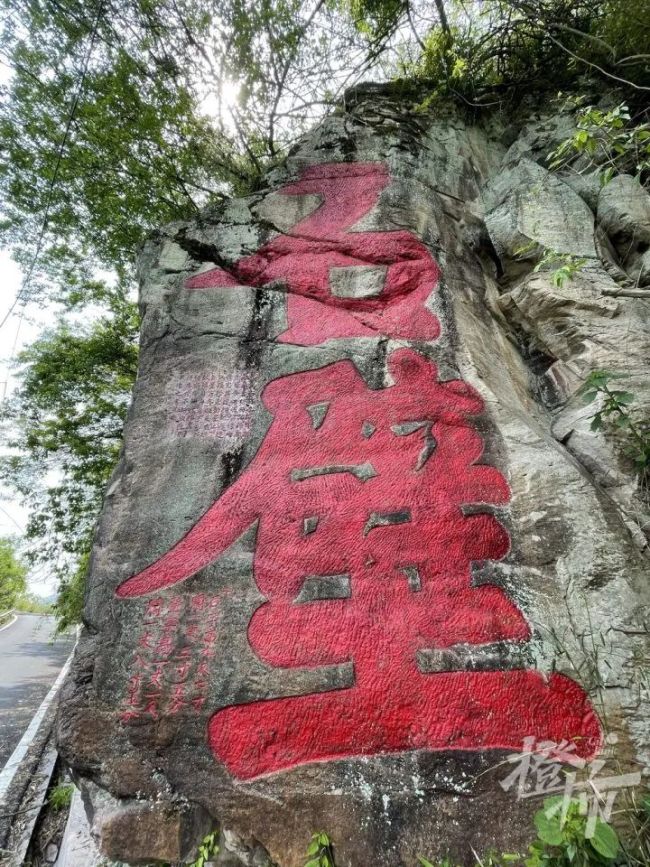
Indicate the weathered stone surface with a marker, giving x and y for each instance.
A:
(525, 203)
(624, 215)
(143, 831)
(362, 542)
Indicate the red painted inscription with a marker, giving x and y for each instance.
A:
(341, 282)
(171, 662)
(363, 552)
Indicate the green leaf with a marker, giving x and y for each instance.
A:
(424, 862)
(596, 422)
(559, 277)
(605, 840)
(606, 176)
(549, 830)
(315, 862)
(314, 847)
(553, 804)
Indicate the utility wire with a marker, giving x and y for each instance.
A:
(11, 518)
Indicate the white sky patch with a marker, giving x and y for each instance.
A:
(18, 332)
(220, 107)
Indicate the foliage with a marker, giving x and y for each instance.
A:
(13, 575)
(104, 125)
(117, 118)
(320, 852)
(636, 845)
(617, 406)
(503, 50)
(28, 603)
(606, 142)
(562, 839)
(376, 19)
(566, 837)
(102, 137)
(208, 848)
(564, 266)
(69, 604)
(105, 129)
(60, 796)
(64, 423)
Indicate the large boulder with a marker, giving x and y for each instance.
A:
(360, 556)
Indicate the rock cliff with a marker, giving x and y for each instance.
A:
(363, 545)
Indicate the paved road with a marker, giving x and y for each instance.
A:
(30, 662)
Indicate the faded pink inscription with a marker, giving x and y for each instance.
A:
(216, 404)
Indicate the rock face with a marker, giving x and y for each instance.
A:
(362, 545)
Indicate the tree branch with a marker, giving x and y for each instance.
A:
(596, 66)
(285, 72)
(444, 22)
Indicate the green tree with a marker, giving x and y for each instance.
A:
(104, 129)
(492, 53)
(104, 126)
(104, 136)
(64, 423)
(13, 575)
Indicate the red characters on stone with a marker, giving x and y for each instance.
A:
(166, 678)
(364, 551)
(342, 281)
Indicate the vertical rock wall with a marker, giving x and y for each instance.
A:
(362, 545)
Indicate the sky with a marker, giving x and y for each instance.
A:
(20, 329)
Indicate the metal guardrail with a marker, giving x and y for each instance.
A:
(5, 615)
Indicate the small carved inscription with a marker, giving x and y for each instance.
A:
(171, 663)
(215, 405)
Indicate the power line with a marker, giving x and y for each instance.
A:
(11, 518)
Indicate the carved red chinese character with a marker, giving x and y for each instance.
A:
(364, 551)
(197, 602)
(178, 701)
(165, 646)
(151, 706)
(155, 609)
(157, 674)
(341, 281)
